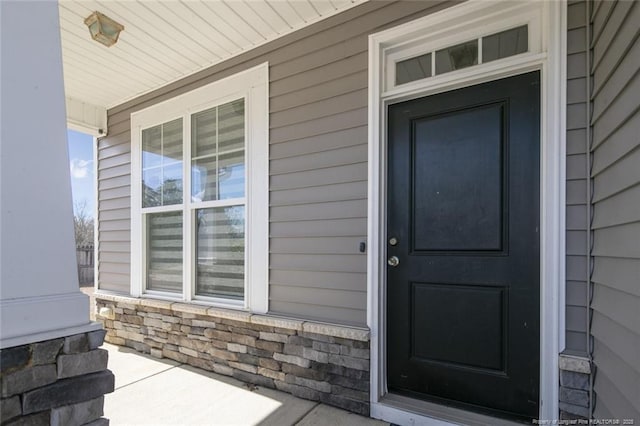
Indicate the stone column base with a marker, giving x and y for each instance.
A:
(55, 382)
(575, 375)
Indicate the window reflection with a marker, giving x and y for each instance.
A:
(413, 69)
(217, 147)
(456, 57)
(505, 44)
(162, 164)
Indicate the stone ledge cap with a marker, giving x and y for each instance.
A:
(345, 332)
(278, 322)
(337, 331)
(189, 308)
(574, 363)
(117, 298)
(157, 303)
(229, 314)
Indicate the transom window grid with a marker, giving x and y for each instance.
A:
(467, 34)
(503, 44)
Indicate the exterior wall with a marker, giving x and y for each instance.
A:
(318, 163)
(577, 212)
(318, 86)
(309, 360)
(615, 119)
(58, 382)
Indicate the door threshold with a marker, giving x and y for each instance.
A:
(403, 410)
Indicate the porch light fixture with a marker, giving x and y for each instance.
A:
(103, 29)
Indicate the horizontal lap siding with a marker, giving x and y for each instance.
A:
(576, 184)
(114, 210)
(318, 163)
(318, 172)
(616, 202)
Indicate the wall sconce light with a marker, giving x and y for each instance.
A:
(103, 29)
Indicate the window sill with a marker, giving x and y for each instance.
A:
(209, 302)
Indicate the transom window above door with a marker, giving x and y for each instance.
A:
(473, 52)
(452, 47)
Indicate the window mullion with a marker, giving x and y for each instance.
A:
(248, 227)
(217, 155)
(187, 231)
(144, 255)
(227, 202)
(433, 63)
(162, 164)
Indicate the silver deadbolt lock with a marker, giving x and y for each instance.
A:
(393, 261)
(393, 241)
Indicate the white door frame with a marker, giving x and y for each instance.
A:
(547, 53)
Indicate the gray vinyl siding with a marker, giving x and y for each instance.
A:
(318, 163)
(114, 211)
(576, 185)
(318, 166)
(616, 202)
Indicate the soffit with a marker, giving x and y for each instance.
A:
(164, 41)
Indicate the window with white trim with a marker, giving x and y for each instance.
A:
(199, 195)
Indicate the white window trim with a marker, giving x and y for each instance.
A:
(253, 86)
(472, 19)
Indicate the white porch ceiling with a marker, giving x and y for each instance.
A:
(166, 40)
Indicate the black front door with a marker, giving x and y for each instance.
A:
(463, 246)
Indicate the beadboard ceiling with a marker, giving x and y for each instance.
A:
(166, 40)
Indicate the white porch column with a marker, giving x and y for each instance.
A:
(39, 294)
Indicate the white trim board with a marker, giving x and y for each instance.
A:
(35, 319)
(86, 118)
(547, 53)
(96, 218)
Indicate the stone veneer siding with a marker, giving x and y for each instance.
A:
(575, 376)
(313, 361)
(55, 382)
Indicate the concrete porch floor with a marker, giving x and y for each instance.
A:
(151, 391)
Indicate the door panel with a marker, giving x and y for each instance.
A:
(463, 204)
(481, 307)
(454, 173)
